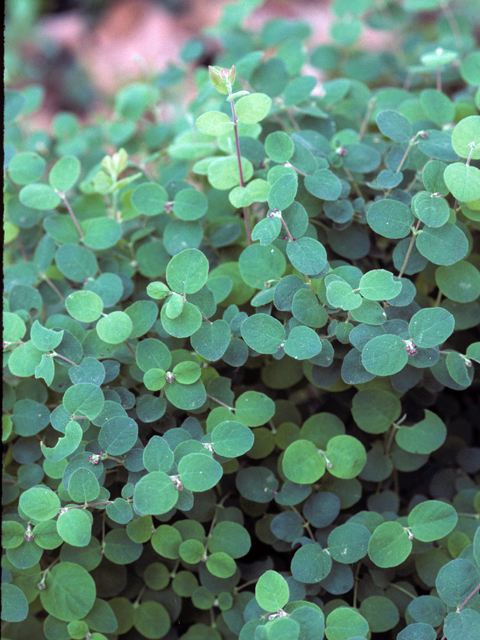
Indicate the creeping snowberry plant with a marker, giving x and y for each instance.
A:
(240, 343)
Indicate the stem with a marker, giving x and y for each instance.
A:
(220, 403)
(356, 581)
(206, 319)
(439, 78)
(240, 170)
(407, 593)
(50, 283)
(58, 355)
(22, 249)
(84, 506)
(354, 183)
(409, 250)
(366, 118)
(130, 348)
(469, 597)
(292, 120)
(452, 21)
(464, 603)
(245, 584)
(287, 164)
(290, 237)
(70, 211)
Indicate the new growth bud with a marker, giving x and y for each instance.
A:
(221, 78)
(411, 347)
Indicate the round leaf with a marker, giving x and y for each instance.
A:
(271, 591)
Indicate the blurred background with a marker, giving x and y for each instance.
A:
(82, 51)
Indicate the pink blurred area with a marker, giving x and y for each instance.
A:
(135, 36)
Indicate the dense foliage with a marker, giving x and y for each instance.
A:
(240, 344)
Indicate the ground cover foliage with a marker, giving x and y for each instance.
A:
(242, 404)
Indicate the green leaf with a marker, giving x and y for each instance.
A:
(85, 306)
(187, 272)
(456, 580)
(302, 343)
(253, 108)
(190, 204)
(75, 262)
(466, 137)
(424, 437)
(463, 181)
(253, 408)
(66, 445)
(84, 398)
(231, 439)
(212, 339)
(267, 230)
(70, 592)
(157, 455)
(26, 167)
(390, 218)
(444, 245)
(186, 397)
(431, 327)
(432, 520)
(64, 173)
(154, 494)
(221, 565)
(223, 173)
(186, 324)
(344, 623)
(307, 255)
(374, 410)
(115, 327)
(83, 485)
(460, 282)
(271, 591)
(438, 107)
(340, 295)
(324, 184)
(307, 310)
(151, 620)
(379, 284)
(348, 542)
(75, 527)
(303, 463)
(151, 354)
(45, 339)
(155, 379)
(384, 355)
(263, 333)
(258, 264)
(101, 233)
(311, 564)
(118, 435)
(14, 603)
(214, 123)
(394, 125)
(279, 146)
(199, 472)
(462, 624)
(39, 196)
(149, 198)
(380, 612)
(143, 314)
(389, 545)
(431, 209)
(39, 503)
(283, 191)
(347, 456)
